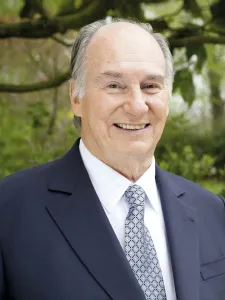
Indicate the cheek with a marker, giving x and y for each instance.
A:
(97, 113)
(159, 106)
(102, 106)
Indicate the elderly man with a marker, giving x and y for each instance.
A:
(104, 221)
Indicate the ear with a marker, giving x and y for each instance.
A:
(75, 103)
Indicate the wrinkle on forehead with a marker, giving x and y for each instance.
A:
(129, 78)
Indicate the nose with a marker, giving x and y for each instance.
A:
(135, 103)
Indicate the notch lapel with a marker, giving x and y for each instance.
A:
(80, 217)
(180, 222)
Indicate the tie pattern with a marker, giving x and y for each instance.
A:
(139, 247)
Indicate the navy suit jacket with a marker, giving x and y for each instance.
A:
(56, 242)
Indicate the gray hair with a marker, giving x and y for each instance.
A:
(78, 56)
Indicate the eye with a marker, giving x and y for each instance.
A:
(151, 86)
(114, 86)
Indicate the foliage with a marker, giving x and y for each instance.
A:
(188, 23)
(177, 134)
(214, 186)
(182, 77)
(36, 38)
(192, 150)
(186, 163)
(24, 140)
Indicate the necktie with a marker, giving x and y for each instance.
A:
(139, 247)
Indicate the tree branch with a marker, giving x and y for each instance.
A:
(43, 28)
(25, 88)
(195, 40)
(62, 41)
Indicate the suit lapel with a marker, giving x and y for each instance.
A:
(76, 209)
(180, 222)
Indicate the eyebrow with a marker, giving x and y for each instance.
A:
(159, 78)
(116, 75)
(111, 74)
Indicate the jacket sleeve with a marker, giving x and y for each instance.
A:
(221, 198)
(2, 284)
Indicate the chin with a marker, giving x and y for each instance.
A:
(136, 149)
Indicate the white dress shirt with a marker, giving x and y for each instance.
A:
(110, 187)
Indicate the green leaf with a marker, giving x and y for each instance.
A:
(66, 8)
(10, 7)
(78, 3)
(159, 25)
(155, 1)
(192, 7)
(218, 12)
(201, 53)
(183, 82)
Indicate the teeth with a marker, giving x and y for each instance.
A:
(131, 127)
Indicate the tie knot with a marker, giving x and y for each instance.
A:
(135, 195)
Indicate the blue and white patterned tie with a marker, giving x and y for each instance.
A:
(139, 247)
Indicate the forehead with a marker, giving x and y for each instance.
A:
(126, 47)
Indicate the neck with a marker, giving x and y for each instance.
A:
(132, 168)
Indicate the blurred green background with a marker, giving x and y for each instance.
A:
(35, 117)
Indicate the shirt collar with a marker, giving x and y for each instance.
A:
(111, 185)
(148, 183)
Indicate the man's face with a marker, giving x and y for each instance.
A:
(125, 105)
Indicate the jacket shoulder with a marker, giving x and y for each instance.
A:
(25, 180)
(196, 191)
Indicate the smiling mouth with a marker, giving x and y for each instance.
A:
(131, 126)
